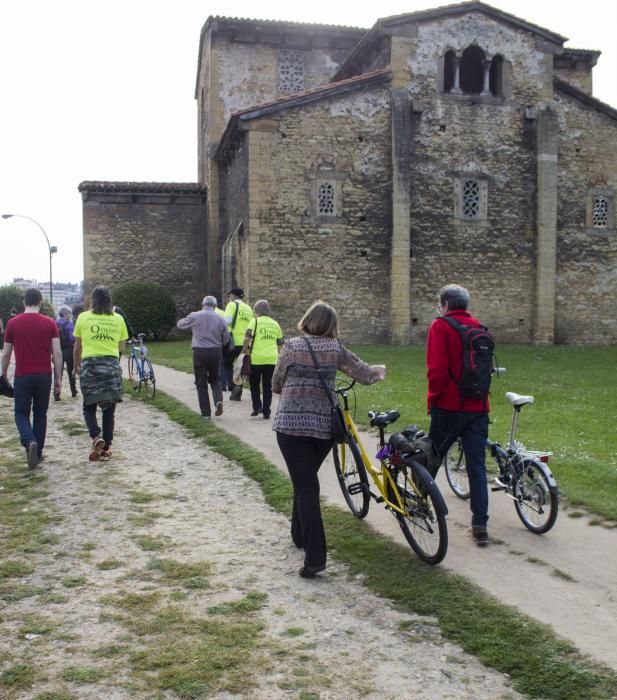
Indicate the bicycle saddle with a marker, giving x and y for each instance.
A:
(383, 418)
(517, 399)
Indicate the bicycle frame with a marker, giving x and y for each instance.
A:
(139, 357)
(381, 477)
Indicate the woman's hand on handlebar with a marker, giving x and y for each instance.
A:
(379, 371)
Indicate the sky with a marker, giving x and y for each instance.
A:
(105, 91)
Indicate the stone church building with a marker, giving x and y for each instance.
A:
(368, 168)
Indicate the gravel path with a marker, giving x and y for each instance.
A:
(164, 496)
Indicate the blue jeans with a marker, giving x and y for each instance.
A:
(472, 428)
(32, 395)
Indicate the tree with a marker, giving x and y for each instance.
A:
(149, 307)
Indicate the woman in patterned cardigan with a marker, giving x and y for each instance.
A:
(303, 419)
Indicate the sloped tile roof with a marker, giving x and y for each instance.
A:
(142, 187)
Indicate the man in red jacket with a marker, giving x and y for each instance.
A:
(453, 416)
(34, 338)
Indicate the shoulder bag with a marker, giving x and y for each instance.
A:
(338, 427)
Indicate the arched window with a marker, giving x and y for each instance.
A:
(448, 71)
(496, 77)
(472, 70)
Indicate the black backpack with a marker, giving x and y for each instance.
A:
(64, 339)
(478, 351)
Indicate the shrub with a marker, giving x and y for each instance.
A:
(12, 297)
(150, 308)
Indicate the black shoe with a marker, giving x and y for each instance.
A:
(255, 412)
(480, 536)
(33, 454)
(311, 571)
(266, 416)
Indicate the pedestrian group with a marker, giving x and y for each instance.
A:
(302, 370)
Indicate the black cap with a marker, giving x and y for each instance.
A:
(237, 292)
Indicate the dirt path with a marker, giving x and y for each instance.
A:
(566, 578)
(144, 566)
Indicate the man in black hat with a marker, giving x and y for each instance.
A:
(239, 315)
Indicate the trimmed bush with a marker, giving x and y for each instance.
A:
(149, 307)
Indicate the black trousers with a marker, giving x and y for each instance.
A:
(108, 421)
(67, 359)
(304, 456)
(207, 367)
(261, 375)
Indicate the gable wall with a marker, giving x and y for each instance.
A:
(295, 257)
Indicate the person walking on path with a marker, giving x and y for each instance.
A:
(453, 415)
(239, 315)
(262, 340)
(100, 336)
(303, 419)
(67, 344)
(34, 338)
(210, 334)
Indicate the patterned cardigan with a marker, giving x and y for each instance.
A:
(304, 408)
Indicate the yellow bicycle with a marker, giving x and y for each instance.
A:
(404, 486)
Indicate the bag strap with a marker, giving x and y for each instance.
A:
(319, 374)
(253, 339)
(233, 323)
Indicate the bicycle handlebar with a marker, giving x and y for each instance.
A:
(345, 388)
(499, 370)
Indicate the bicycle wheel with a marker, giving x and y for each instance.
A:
(424, 522)
(134, 372)
(149, 380)
(132, 365)
(536, 505)
(456, 470)
(352, 477)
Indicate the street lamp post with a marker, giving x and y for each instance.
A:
(52, 248)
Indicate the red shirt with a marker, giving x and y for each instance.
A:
(31, 335)
(444, 363)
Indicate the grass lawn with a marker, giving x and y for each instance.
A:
(540, 665)
(574, 413)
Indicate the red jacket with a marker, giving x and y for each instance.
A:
(444, 363)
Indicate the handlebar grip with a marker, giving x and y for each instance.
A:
(499, 370)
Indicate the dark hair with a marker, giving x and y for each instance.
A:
(33, 297)
(457, 297)
(101, 301)
(77, 309)
(320, 319)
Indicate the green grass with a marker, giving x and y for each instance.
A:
(573, 416)
(540, 664)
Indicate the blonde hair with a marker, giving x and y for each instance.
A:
(261, 307)
(320, 319)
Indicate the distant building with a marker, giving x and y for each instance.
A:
(367, 168)
(64, 293)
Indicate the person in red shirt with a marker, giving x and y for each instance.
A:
(453, 416)
(34, 338)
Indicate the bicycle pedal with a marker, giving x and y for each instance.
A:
(499, 488)
(355, 489)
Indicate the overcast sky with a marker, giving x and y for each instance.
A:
(104, 91)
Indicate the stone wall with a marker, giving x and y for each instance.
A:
(146, 231)
(586, 257)
(296, 254)
(461, 137)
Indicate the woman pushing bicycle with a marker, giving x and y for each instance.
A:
(305, 371)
